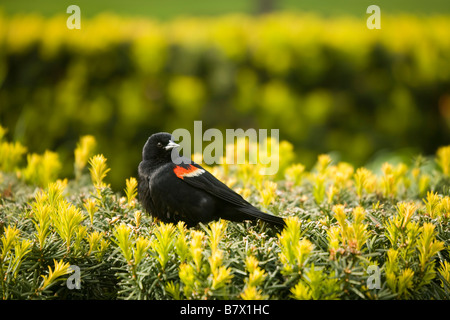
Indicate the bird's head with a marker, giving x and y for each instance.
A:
(160, 147)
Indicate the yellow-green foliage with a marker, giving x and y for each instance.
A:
(255, 279)
(10, 153)
(443, 159)
(60, 269)
(41, 169)
(316, 285)
(324, 252)
(98, 170)
(82, 153)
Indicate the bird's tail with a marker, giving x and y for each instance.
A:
(255, 213)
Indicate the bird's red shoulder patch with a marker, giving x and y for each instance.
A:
(189, 171)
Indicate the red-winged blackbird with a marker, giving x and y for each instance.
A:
(172, 192)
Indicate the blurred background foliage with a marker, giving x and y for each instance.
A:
(314, 71)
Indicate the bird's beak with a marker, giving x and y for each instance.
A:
(171, 145)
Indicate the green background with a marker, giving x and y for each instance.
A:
(326, 81)
(169, 9)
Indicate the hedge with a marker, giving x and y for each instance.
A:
(350, 234)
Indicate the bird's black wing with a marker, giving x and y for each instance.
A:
(198, 177)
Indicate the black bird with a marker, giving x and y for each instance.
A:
(173, 188)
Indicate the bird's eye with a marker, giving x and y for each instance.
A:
(159, 145)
